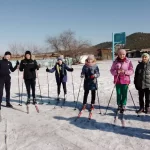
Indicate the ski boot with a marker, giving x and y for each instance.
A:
(122, 109)
(141, 110)
(92, 107)
(28, 101)
(9, 105)
(147, 110)
(34, 101)
(83, 107)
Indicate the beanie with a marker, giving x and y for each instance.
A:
(7, 53)
(27, 52)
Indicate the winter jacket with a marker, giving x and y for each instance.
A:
(6, 67)
(29, 66)
(122, 78)
(142, 76)
(87, 72)
(60, 72)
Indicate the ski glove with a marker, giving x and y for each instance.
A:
(47, 70)
(17, 63)
(93, 76)
(82, 76)
(71, 69)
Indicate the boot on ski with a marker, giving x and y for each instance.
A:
(92, 107)
(34, 101)
(9, 105)
(28, 101)
(141, 110)
(123, 108)
(83, 107)
(147, 110)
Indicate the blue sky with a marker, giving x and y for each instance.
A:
(31, 21)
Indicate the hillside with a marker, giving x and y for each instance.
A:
(134, 41)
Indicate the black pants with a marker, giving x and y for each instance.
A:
(59, 86)
(7, 82)
(142, 93)
(30, 84)
(86, 92)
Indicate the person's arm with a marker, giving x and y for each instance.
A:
(130, 70)
(68, 69)
(13, 68)
(21, 67)
(97, 73)
(113, 69)
(136, 74)
(36, 65)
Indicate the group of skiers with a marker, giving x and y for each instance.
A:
(121, 69)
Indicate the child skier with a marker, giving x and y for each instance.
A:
(142, 82)
(61, 75)
(90, 73)
(122, 69)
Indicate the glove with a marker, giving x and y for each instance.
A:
(71, 69)
(17, 63)
(92, 76)
(47, 70)
(82, 76)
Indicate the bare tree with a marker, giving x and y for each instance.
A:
(66, 43)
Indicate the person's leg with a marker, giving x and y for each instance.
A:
(147, 100)
(64, 87)
(7, 89)
(124, 92)
(141, 100)
(58, 88)
(86, 92)
(27, 84)
(93, 93)
(33, 82)
(1, 89)
(118, 91)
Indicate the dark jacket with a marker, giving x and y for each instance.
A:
(142, 76)
(6, 67)
(60, 72)
(29, 66)
(87, 71)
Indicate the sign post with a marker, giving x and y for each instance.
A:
(117, 38)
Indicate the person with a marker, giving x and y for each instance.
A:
(122, 69)
(142, 82)
(29, 67)
(90, 73)
(60, 70)
(5, 78)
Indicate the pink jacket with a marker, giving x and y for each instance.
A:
(123, 78)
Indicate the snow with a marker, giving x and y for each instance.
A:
(55, 129)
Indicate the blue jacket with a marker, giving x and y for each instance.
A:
(87, 71)
(60, 72)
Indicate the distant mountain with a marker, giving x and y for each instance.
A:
(134, 41)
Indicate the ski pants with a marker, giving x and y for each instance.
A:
(142, 93)
(30, 84)
(59, 86)
(86, 92)
(122, 90)
(5, 80)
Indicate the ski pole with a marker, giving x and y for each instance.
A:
(19, 88)
(111, 94)
(133, 102)
(39, 87)
(98, 98)
(22, 92)
(48, 88)
(78, 94)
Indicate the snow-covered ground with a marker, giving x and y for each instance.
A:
(55, 129)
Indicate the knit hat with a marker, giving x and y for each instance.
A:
(91, 57)
(59, 58)
(27, 52)
(7, 53)
(145, 55)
